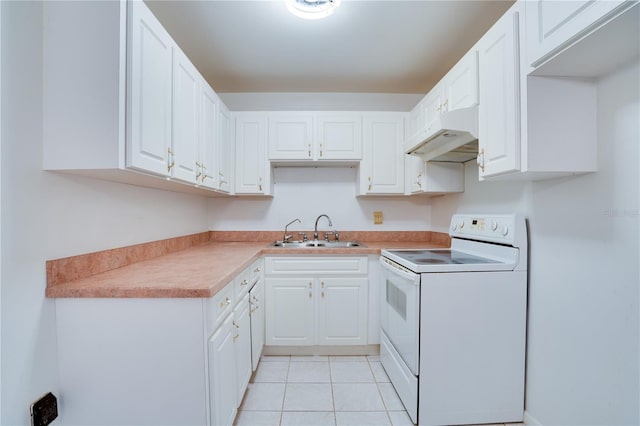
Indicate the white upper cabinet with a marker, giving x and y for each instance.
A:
(553, 25)
(291, 136)
(530, 126)
(382, 165)
(207, 155)
(149, 109)
(224, 174)
(338, 136)
(499, 110)
(186, 118)
(460, 85)
(253, 171)
(150, 127)
(432, 178)
(315, 136)
(457, 89)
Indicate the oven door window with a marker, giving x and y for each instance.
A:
(396, 300)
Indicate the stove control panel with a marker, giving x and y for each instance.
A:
(503, 229)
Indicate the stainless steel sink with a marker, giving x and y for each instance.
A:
(316, 244)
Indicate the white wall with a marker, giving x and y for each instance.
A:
(583, 349)
(46, 216)
(306, 192)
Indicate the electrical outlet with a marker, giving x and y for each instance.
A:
(377, 218)
(44, 410)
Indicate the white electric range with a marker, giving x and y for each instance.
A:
(453, 323)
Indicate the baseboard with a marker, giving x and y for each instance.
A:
(530, 420)
(322, 350)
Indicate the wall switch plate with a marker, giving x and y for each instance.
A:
(44, 410)
(377, 218)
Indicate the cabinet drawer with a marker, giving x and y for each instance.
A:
(219, 306)
(247, 279)
(255, 272)
(242, 284)
(326, 265)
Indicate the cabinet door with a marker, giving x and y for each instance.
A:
(432, 106)
(414, 167)
(225, 150)
(208, 136)
(290, 136)
(415, 121)
(290, 313)
(252, 167)
(149, 137)
(242, 347)
(553, 25)
(338, 136)
(382, 166)
(342, 311)
(256, 301)
(499, 109)
(186, 116)
(461, 84)
(222, 374)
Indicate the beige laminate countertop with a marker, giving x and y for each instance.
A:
(199, 271)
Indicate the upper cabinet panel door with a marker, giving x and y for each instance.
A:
(461, 83)
(208, 136)
(382, 167)
(433, 104)
(225, 159)
(555, 24)
(499, 109)
(149, 137)
(252, 167)
(290, 136)
(338, 137)
(186, 117)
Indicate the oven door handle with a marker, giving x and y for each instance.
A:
(396, 269)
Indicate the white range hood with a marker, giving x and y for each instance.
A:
(452, 137)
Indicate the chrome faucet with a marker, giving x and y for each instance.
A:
(315, 230)
(286, 237)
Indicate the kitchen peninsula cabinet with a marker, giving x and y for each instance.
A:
(316, 301)
(181, 360)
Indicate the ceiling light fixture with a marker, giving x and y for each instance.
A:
(312, 9)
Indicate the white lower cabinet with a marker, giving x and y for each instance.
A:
(316, 301)
(242, 347)
(342, 310)
(256, 303)
(222, 374)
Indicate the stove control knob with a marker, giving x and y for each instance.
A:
(505, 231)
(461, 224)
(454, 226)
(494, 225)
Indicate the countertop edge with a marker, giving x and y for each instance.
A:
(104, 287)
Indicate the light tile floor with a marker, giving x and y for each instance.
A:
(321, 390)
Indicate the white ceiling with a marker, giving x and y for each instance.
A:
(365, 46)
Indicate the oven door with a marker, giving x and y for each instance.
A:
(400, 310)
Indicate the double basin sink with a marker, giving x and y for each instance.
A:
(315, 244)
